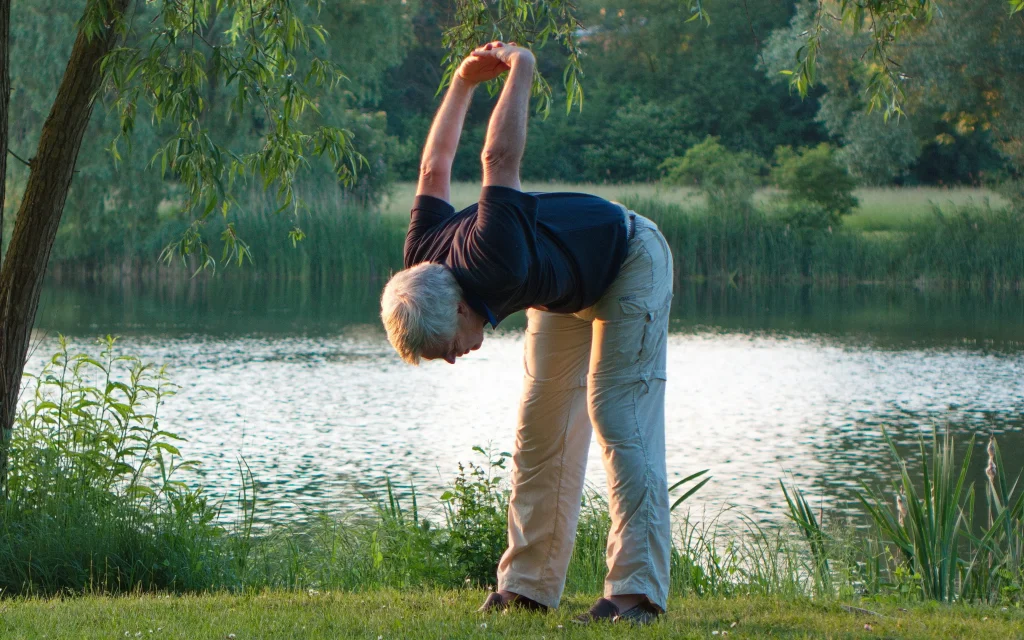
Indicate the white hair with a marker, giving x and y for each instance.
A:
(419, 308)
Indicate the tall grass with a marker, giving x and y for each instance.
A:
(95, 504)
(94, 500)
(947, 239)
(329, 239)
(942, 550)
(965, 248)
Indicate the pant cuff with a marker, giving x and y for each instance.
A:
(529, 592)
(656, 597)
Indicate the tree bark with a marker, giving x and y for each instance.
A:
(5, 100)
(35, 226)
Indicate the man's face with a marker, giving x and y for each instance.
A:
(469, 335)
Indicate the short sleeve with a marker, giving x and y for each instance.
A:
(427, 212)
(505, 233)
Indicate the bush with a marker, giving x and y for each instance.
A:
(813, 176)
(728, 179)
(93, 499)
(476, 510)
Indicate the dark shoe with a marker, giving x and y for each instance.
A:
(495, 602)
(604, 609)
(643, 613)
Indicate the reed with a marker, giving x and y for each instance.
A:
(954, 239)
(938, 546)
(965, 248)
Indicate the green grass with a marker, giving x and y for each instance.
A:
(892, 209)
(452, 614)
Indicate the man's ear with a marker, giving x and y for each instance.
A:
(462, 308)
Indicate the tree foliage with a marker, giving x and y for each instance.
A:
(814, 175)
(961, 88)
(727, 178)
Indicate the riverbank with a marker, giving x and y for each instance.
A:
(963, 239)
(452, 614)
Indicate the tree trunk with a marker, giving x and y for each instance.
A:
(39, 214)
(5, 99)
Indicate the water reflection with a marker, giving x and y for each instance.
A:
(764, 384)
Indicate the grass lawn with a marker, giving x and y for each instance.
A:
(881, 209)
(451, 614)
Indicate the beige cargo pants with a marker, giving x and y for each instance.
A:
(601, 369)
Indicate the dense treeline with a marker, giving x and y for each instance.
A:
(656, 86)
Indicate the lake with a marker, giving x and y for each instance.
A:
(765, 384)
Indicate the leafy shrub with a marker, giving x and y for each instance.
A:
(476, 510)
(728, 179)
(813, 175)
(93, 497)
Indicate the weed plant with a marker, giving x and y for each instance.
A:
(93, 497)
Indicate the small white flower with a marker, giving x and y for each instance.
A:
(559, 626)
(483, 625)
(231, 636)
(714, 633)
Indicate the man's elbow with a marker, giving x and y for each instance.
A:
(434, 173)
(501, 167)
(498, 158)
(434, 177)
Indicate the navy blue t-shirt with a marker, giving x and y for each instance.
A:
(513, 250)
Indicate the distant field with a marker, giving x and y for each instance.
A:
(881, 209)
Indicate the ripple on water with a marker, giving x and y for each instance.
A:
(320, 421)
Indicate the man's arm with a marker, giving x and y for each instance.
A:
(443, 139)
(506, 131)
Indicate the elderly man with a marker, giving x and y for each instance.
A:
(596, 282)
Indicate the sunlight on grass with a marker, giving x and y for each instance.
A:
(881, 209)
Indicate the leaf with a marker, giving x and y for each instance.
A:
(687, 479)
(168, 447)
(689, 493)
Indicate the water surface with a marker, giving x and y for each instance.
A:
(764, 384)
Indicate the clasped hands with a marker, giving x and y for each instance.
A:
(489, 61)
